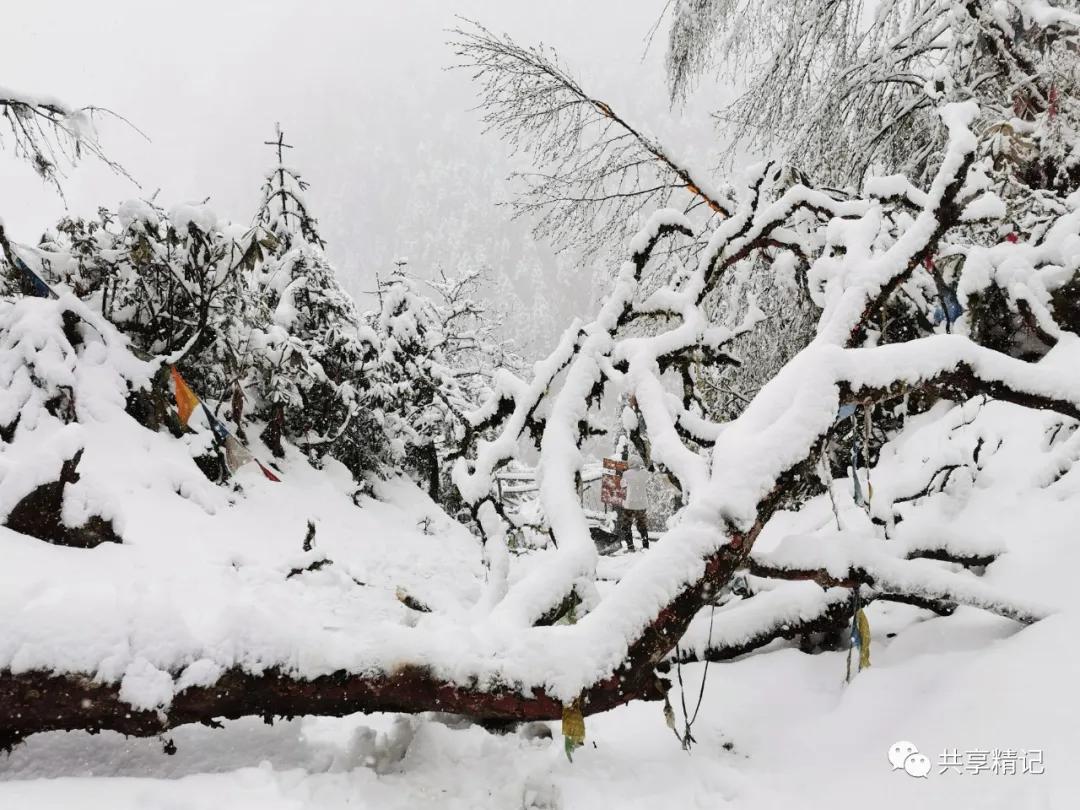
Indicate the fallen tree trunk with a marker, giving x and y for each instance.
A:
(37, 701)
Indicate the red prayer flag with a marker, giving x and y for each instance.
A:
(267, 472)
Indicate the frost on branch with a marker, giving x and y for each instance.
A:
(49, 134)
(597, 173)
(820, 70)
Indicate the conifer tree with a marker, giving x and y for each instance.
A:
(314, 350)
(419, 392)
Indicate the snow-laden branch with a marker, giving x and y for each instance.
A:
(851, 561)
(560, 455)
(596, 171)
(759, 454)
(781, 611)
(857, 283)
(49, 134)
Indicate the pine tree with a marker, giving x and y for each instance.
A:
(283, 210)
(314, 352)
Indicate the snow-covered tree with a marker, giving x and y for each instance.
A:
(809, 93)
(474, 344)
(176, 282)
(596, 173)
(314, 353)
(420, 391)
(837, 88)
(283, 209)
(736, 475)
(920, 399)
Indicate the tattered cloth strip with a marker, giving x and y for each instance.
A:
(220, 432)
(860, 636)
(856, 486)
(867, 439)
(950, 309)
(236, 455)
(185, 397)
(862, 625)
(573, 728)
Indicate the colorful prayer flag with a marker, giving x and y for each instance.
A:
(185, 397)
(267, 472)
(856, 486)
(862, 626)
(573, 728)
(845, 411)
(236, 455)
(220, 432)
(37, 287)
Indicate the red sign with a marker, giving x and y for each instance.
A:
(612, 492)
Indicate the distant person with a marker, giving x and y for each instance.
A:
(633, 511)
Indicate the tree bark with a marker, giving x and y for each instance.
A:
(38, 701)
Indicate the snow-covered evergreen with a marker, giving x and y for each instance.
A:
(314, 356)
(423, 384)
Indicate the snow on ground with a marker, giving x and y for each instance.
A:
(201, 581)
(799, 737)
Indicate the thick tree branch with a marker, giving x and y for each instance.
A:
(37, 701)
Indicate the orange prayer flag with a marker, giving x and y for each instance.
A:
(185, 397)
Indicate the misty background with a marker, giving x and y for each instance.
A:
(386, 134)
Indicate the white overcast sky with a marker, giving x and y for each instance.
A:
(359, 87)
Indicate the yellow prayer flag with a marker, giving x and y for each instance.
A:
(573, 727)
(864, 639)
